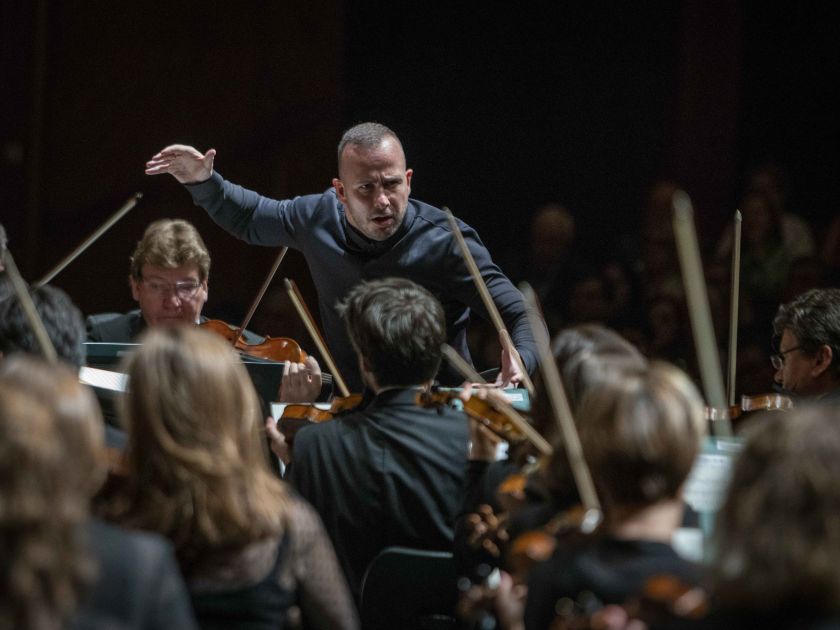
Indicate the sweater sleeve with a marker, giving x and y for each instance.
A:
(250, 216)
(508, 299)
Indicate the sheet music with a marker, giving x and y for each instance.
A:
(103, 379)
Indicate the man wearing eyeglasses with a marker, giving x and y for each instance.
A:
(807, 361)
(168, 276)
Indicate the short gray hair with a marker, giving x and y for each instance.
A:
(367, 135)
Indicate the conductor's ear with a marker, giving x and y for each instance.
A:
(339, 190)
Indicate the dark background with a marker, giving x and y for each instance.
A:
(499, 109)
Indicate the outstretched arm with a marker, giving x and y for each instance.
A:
(244, 213)
(185, 163)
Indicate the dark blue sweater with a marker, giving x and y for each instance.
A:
(422, 250)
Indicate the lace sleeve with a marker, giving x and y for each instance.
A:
(325, 599)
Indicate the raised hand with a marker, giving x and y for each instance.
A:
(185, 163)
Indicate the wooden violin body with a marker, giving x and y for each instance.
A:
(298, 415)
(752, 404)
(273, 348)
(479, 409)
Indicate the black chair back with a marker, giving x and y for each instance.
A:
(407, 588)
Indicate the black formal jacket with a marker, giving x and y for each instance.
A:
(115, 327)
(389, 474)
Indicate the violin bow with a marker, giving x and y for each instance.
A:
(309, 322)
(699, 311)
(489, 304)
(247, 320)
(29, 310)
(107, 225)
(468, 372)
(733, 308)
(563, 414)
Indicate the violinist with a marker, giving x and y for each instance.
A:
(390, 473)
(807, 358)
(365, 226)
(640, 434)
(777, 560)
(60, 316)
(584, 354)
(136, 582)
(169, 275)
(65, 329)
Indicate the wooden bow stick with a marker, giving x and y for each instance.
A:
(489, 304)
(469, 373)
(733, 309)
(119, 214)
(309, 322)
(247, 320)
(698, 308)
(563, 413)
(29, 310)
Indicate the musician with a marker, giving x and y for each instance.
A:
(45, 564)
(585, 355)
(640, 435)
(60, 316)
(169, 272)
(249, 548)
(364, 227)
(777, 559)
(134, 579)
(392, 472)
(807, 362)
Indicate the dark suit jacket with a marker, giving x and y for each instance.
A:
(125, 328)
(115, 327)
(390, 474)
(138, 585)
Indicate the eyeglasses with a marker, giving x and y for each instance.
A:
(778, 359)
(184, 290)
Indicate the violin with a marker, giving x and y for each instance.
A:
(273, 348)
(535, 546)
(663, 599)
(480, 410)
(752, 404)
(298, 415)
